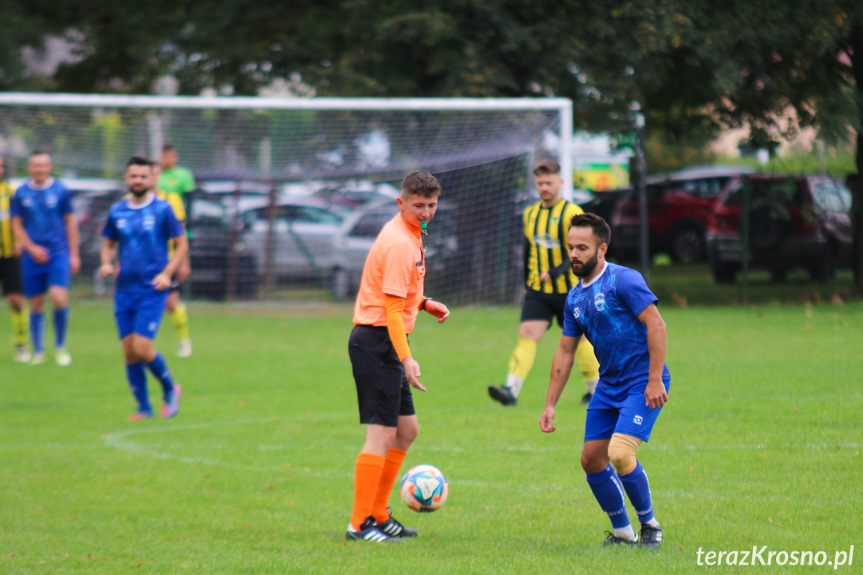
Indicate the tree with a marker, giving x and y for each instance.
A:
(690, 67)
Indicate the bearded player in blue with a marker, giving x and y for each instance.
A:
(613, 307)
(141, 227)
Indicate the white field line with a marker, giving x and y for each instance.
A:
(125, 440)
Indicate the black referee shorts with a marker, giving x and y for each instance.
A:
(543, 306)
(10, 275)
(383, 391)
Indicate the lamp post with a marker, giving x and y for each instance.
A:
(641, 188)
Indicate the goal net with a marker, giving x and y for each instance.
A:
(291, 192)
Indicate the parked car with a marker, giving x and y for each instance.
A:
(210, 248)
(91, 200)
(795, 221)
(304, 231)
(352, 195)
(679, 209)
(221, 264)
(357, 234)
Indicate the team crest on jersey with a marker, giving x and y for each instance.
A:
(149, 222)
(599, 301)
(121, 223)
(51, 201)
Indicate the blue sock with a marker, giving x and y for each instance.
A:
(37, 331)
(638, 489)
(159, 368)
(61, 324)
(608, 491)
(137, 377)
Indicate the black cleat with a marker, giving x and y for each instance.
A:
(610, 539)
(369, 531)
(651, 537)
(502, 394)
(395, 529)
(585, 399)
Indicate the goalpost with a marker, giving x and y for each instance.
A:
(482, 150)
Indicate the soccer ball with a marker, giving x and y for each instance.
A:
(424, 488)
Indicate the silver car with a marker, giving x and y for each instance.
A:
(361, 228)
(303, 235)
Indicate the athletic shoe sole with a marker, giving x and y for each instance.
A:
(169, 410)
(501, 396)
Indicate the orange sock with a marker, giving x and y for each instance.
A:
(367, 475)
(394, 460)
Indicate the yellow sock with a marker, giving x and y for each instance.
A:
(21, 326)
(587, 362)
(522, 358)
(180, 320)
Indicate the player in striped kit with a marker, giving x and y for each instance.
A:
(548, 277)
(10, 271)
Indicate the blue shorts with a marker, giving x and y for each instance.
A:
(37, 278)
(139, 313)
(620, 411)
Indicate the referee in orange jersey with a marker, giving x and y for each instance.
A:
(389, 300)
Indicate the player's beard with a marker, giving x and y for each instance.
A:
(587, 267)
(139, 193)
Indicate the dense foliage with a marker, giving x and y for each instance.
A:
(690, 67)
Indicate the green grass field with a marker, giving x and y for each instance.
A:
(760, 445)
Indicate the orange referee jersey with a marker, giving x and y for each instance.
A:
(395, 266)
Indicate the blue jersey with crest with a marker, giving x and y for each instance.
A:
(142, 233)
(606, 312)
(42, 211)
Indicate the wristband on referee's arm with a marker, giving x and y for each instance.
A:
(425, 301)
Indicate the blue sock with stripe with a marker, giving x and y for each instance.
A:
(37, 331)
(638, 489)
(608, 491)
(159, 368)
(137, 377)
(61, 325)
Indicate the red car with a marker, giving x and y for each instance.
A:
(795, 222)
(679, 209)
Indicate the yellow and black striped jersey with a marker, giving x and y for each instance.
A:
(545, 232)
(7, 240)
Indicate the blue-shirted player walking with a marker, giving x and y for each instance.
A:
(140, 227)
(613, 307)
(45, 225)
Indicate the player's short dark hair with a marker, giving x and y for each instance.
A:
(601, 229)
(421, 183)
(547, 167)
(40, 152)
(169, 148)
(139, 161)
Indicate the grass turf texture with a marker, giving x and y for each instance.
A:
(759, 445)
